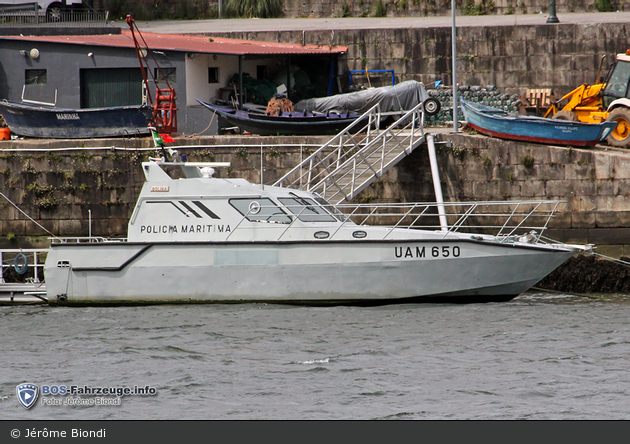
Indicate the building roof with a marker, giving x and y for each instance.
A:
(186, 43)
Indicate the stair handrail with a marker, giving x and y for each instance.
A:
(336, 146)
(412, 117)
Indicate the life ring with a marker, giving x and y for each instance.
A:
(18, 266)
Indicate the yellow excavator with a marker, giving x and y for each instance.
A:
(607, 100)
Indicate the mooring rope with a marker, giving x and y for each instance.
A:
(211, 120)
(29, 217)
(612, 259)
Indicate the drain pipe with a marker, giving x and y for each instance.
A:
(436, 183)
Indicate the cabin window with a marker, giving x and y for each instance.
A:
(213, 75)
(165, 74)
(35, 77)
(307, 210)
(260, 210)
(332, 209)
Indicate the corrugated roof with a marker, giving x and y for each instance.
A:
(186, 43)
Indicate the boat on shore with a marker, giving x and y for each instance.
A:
(498, 123)
(284, 124)
(49, 122)
(197, 238)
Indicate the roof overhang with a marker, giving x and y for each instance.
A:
(187, 43)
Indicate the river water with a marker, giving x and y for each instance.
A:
(540, 356)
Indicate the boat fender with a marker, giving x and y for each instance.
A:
(20, 264)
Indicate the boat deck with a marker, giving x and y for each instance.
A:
(21, 294)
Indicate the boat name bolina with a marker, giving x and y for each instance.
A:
(435, 251)
(189, 229)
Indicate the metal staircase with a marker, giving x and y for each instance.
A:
(357, 156)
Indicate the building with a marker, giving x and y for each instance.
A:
(88, 71)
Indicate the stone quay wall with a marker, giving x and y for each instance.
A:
(406, 8)
(369, 8)
(64, 190)
(512, 58)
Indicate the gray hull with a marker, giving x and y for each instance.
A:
(295, 272)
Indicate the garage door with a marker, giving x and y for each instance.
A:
(111, 87)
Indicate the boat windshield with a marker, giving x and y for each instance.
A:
(331, 209)
(307, 210)
(260, 210)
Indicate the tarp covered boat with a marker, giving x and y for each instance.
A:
(392, 99)
(68, 123)
(498, 123)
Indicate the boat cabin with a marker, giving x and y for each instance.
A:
(183, 201)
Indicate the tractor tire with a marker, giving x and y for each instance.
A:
(620, 136)
(431, 106)
(566, 115)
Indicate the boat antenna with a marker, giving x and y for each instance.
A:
(454, 38)
(262, 184)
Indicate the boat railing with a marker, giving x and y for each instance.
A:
(85, 239)
(505, 220)
(22, 265)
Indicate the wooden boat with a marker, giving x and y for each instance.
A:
(498, 123)
(64, 123)
(287, 123)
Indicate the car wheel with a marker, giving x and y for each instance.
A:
(54, 12)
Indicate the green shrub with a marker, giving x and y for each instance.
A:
(603, 6)
(253, 8)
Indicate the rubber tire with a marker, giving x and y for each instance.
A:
(620, 136)
(566, 115)
(431, 106)
(54, 12)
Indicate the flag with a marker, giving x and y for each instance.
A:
(166, 138)
(157, 140)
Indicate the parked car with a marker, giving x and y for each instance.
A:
(52, 9)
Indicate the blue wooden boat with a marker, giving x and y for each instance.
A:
(64, 123)
(498, 123)
(286, 124)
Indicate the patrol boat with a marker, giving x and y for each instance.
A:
(195, 238)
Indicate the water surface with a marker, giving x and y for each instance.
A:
(540, 356)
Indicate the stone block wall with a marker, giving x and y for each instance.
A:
(185, 9)
(398, 8)
(512, 58)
